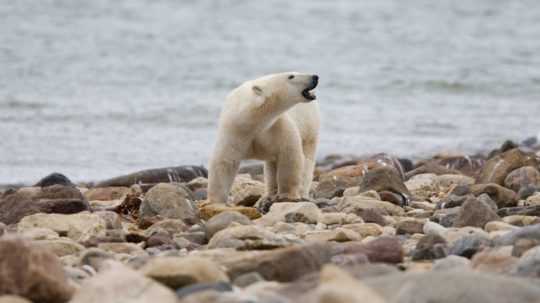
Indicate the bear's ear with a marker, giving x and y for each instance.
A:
(259, 95)
(257, 90)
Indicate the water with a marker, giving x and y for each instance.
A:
(98, 88)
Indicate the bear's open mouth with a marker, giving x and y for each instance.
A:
(307, 93)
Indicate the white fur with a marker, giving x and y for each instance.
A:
(267, 119)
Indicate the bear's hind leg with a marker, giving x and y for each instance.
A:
(270, 175)
(290, 174)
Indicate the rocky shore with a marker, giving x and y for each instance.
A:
(452, 228)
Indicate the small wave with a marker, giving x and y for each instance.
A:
(16, 103)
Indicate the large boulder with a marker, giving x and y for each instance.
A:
(32, 272)
(169, 200)
(31, 200)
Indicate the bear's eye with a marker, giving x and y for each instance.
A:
(291, 77)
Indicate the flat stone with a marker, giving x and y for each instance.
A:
(365, 229)
(61, 247)
(248, 237)
(337, 235)
(357, 203)
(78, 226)
(209, 210)
(224, 220)
(410, 226)
(106, 193)
(176, 272)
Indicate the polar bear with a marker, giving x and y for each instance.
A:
(275, 119)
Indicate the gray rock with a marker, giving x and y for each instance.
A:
(522, 177)
(248, 237)
(248, 279)
(529, 264)
(454, 287)
(173, 201)
(527, 232)
(452, 262)
(469, 245)
(202, 287)
(223, 220)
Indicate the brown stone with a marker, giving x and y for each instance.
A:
(504, 197)
(384, 179)
(498, 167)
(209, 210)
(382, 249)
(475, 212)
(32, 272)
(410, 226)
(31, 200)
(283, 265)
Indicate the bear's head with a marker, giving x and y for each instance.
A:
(291, 87)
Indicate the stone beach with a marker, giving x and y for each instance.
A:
(451, 228)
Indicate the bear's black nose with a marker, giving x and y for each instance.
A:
(315, 80)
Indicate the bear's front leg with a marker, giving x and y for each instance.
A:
(220, 179)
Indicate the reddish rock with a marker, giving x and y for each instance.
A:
(382, 249)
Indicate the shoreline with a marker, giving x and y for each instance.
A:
(375, 228)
